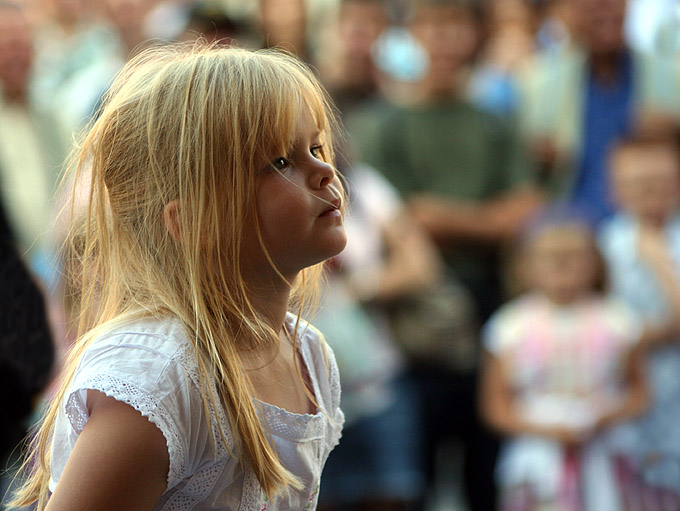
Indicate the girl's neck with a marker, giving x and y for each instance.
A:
(566, 299)
(434, 89)
(270, 301)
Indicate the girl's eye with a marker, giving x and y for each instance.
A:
(280, 164)
(316, 150)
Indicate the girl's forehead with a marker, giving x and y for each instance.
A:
(307, 122)
(305, 126)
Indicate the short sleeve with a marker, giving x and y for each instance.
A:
(146, 372)
(502, 330)
(623, 321)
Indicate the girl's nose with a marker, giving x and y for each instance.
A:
(322, 175)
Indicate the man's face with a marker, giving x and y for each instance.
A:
(599, 25)
(449, 35)
(16, 51)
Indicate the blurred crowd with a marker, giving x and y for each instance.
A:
(511, 285)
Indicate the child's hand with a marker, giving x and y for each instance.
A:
(653, 246)
(653, 249)
(545, 150)
(605, 421)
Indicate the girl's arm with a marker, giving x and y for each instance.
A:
(637, 395)
(654, 250)
(120, 461)
(497, 408)
(655, 334)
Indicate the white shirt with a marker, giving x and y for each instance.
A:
(150, 365)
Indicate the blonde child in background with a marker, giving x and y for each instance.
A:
(561, 367)
(641, 245)
(212, 200)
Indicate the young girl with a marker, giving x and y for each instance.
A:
(641, 246)
(212, 200)
(561, 367)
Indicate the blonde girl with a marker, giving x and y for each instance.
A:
(211, 202)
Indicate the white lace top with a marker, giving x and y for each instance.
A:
(150, 366)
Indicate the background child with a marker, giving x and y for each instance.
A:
(560, 367)
(641, 245)
(191, 386)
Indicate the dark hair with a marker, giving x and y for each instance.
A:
(646, 140)
(554, 215)
(214, 24)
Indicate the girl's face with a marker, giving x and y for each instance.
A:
(647, 182)
(299, 206)
(563, 263)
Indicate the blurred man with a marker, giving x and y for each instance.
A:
(345, 60)
(466, 180)
(283, 24)
(579, 101)
(30, 149)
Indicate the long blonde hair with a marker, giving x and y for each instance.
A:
(190, 124)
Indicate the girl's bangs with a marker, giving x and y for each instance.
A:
(282, 103)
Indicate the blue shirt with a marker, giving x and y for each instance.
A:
(608, 116)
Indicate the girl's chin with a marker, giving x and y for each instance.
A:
(341, 243)
(335, 246)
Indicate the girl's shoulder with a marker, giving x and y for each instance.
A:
(506, 326)
(617, 238)
(163, 334)
(150, 365)
(144, 348)
(621, 319)
(517, 310)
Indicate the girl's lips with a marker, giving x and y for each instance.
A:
(334, 210)
(330, 213)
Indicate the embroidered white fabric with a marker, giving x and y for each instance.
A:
(150, 366)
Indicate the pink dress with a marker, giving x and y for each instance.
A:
(564, 364)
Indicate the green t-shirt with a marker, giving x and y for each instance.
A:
(452, 149)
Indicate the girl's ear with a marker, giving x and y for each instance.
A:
(171, 218)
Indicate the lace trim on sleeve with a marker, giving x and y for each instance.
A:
(144, 403)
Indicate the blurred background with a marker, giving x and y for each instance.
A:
(464, 121)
